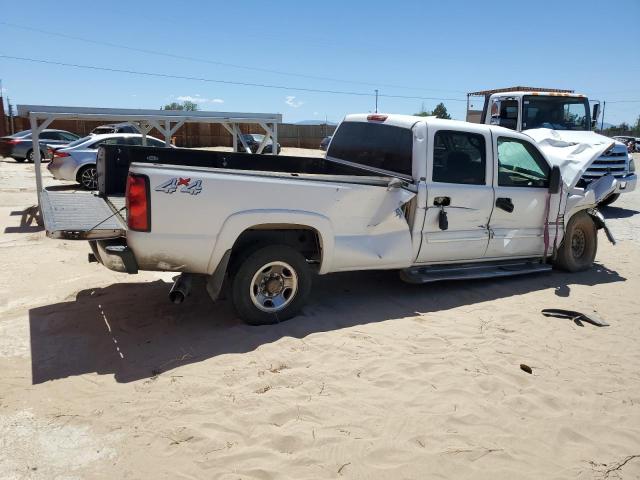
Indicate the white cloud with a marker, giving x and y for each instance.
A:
(291, 101)
(198, 99)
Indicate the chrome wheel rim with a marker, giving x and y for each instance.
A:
(274, 287)
(578, 243)
(89, 178)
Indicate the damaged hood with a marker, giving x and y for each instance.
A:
(572, 151)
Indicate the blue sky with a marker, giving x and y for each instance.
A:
(408, 48)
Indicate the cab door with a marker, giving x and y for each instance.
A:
(459, 193)
(521, 184)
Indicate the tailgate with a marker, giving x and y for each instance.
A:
(82, 215)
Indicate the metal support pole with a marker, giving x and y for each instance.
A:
(604, 105)
(274, 139)
(35, 145)
(376, 100)
(167, 133)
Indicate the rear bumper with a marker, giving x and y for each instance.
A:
(115, 255)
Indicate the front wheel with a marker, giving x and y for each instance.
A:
(578, 249)
(271, 285)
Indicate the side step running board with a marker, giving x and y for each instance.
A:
(436, 273)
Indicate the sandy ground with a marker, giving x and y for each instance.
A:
(101, 377)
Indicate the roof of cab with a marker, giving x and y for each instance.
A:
(408, 121)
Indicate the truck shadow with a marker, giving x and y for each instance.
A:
(132, 331)
(617, 212)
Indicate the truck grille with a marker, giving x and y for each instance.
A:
(614, 164)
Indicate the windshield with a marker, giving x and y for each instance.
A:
(23, 133)
(557, 113)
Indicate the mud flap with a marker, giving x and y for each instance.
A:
(598, 219)
(216, 279)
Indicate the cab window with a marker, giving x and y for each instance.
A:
(109, 141)
(459, 157)
(520, 164)
(375, 145)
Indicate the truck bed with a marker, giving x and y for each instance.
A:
(114, 160)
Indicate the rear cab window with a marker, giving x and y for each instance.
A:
(459, 157)
(374, 145)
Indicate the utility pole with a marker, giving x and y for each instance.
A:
(10, 108)
(376, 100)
(604, 105)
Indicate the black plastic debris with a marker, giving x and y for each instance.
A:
(577, 317)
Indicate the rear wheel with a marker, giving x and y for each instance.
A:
(271, 285)
(30, 156)
(88, 177)
(610, 199)
(578, 249)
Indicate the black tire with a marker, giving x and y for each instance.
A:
(580, 244)
(30, 156)
(88, 177)
(247, 293)
(609, 200)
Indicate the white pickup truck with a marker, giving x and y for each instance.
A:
(435, 199)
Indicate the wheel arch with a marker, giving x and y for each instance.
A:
(237, 226)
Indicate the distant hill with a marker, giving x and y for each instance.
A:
(314, 122)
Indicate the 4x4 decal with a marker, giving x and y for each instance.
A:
(192, 186)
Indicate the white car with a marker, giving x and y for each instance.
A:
(77, 161)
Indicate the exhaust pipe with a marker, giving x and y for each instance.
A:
(181, 288)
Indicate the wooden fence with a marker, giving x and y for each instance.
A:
(208, 135)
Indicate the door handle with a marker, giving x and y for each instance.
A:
(505, 204)
(442, 201)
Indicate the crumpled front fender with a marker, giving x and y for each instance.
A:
(600, 223)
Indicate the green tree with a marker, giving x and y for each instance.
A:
(441, 112)
(190, 106)
(172, 106)
(186, 105)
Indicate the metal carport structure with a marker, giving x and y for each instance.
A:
(167, 122)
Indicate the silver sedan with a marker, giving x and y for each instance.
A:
(77, 161)
(20, 146)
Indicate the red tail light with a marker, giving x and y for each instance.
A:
(57, 154)
(138, 208)
(376, 118)
(13, 141)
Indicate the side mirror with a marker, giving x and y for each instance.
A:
(555, 180)
(495, 112)
(594, 115)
